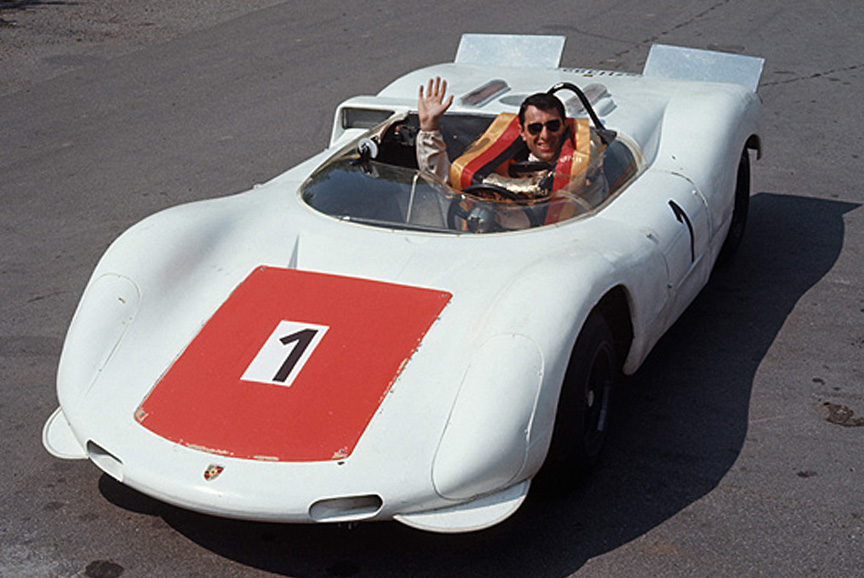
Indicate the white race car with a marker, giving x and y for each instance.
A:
(357, 340)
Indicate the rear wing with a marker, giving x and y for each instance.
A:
(703, 65)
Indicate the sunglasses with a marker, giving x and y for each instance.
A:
(536, 128)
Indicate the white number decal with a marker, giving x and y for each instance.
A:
(285, 352)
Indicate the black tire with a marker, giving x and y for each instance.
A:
(739, 213)
(584, 406)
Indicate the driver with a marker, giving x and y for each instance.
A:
(542, 127)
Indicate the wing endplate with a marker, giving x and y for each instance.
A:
(703, 65)
(513, 50)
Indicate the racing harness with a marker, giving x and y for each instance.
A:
(501, 146)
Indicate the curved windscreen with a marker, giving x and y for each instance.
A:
(389, 191)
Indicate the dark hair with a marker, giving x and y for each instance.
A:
(543, 101)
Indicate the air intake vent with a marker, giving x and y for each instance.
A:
(105, 460)
(346, 509)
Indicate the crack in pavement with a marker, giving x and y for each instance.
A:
(679, 26)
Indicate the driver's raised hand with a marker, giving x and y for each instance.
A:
(432, 105)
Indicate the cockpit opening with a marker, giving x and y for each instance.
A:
(385, 188)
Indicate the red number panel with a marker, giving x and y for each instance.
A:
(292, 366)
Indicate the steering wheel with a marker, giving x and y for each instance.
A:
(476, 217)
(468, 215)
(489, 192)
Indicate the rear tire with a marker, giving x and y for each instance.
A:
(739, 213)
(584, 406)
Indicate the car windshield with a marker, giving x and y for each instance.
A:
(385, 188)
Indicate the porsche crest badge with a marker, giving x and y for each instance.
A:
(212, 472)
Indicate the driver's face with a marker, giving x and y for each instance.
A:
(545, 143)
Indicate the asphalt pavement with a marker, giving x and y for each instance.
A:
(738, 449)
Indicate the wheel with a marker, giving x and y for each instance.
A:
(471, 216)
(739, 212)
(584, 406)
(489, 192)
(498, 194)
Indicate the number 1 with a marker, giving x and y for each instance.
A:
(302, 339)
